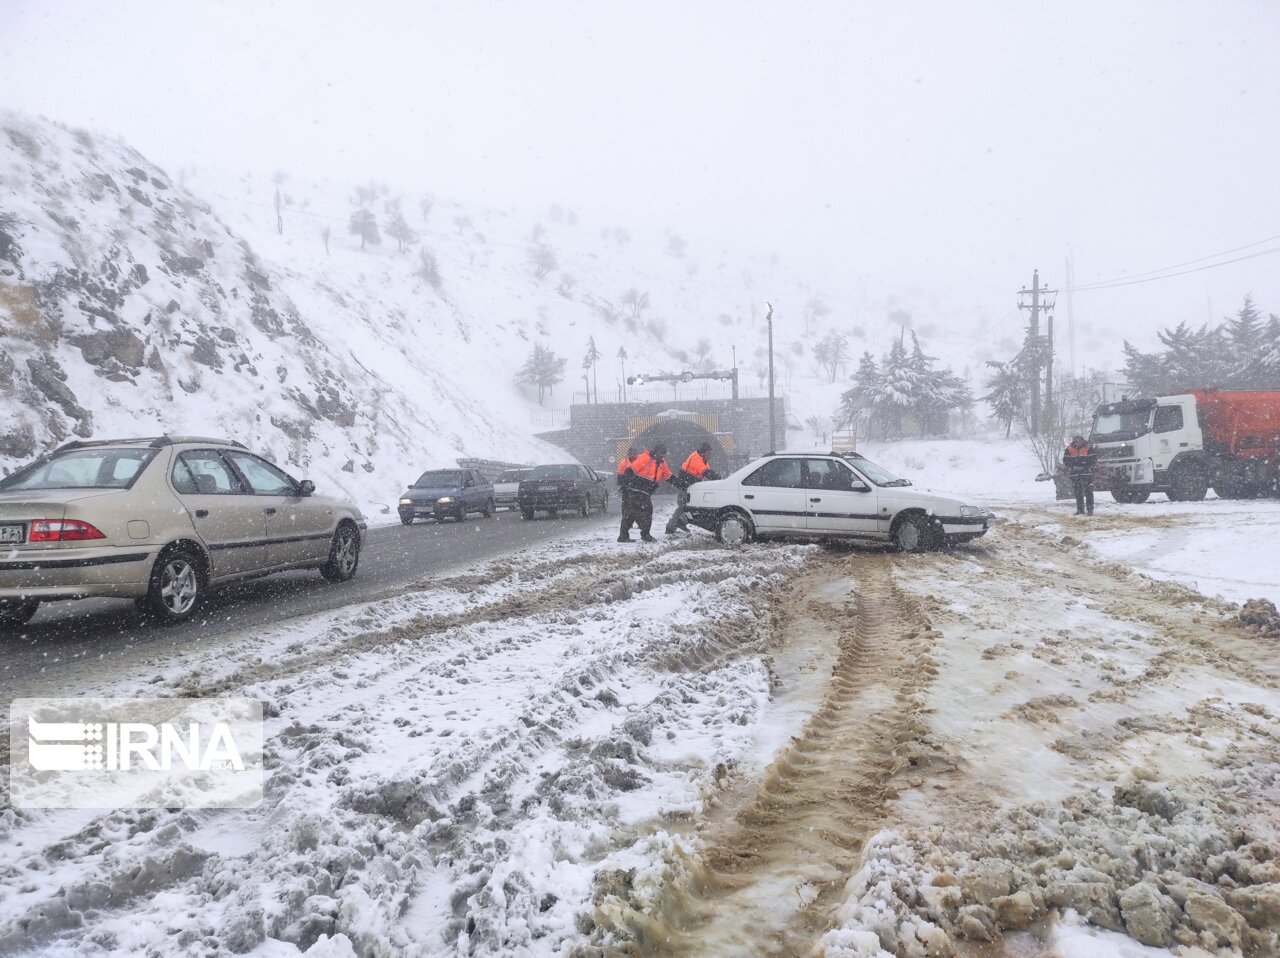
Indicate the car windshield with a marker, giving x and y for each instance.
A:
(82, 469)
(554, 472)
(1122, 425)
(439, 478)
(512, 475)
(877, 474)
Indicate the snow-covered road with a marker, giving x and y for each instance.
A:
(683, 749)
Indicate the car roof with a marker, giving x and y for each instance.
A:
(830, 453)
(150, 442)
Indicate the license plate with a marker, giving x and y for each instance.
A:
(13, 533)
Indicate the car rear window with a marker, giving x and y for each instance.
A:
(554, 472)
(439, 477)
(82, 469)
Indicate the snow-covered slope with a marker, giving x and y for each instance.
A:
(133, 303)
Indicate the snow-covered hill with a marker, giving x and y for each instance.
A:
(133, 303)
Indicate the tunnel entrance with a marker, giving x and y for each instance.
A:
(682, 436)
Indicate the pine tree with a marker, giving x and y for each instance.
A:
(855, 410)
(589, 362)
(1006, 394)
(1244, 335)
(898, 390)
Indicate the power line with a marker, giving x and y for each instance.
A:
(1152, 276)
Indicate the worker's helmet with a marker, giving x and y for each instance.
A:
(705, 448)
(632, 452)
(1077, 440)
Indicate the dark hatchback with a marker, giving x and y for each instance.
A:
(446, 494)
(567, 487)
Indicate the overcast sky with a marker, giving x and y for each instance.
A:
(946, 147)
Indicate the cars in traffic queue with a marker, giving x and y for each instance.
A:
(506, 488)
(447, 494)
(831, 496)
(161, 520)
(562, 487)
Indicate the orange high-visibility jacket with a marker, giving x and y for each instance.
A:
(624, 463)
(647, 467)
(695, 465)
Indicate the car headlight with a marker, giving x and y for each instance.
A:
(445, 499)
(973, 511)
(406, 502)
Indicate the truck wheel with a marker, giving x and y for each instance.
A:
(526, 513)
(15, 614)
(584, 507)
(1130, 496)
(1188, 484)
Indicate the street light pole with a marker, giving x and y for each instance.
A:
(773, 434)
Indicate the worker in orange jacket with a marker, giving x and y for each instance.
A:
(1079, 461)
(695, 469)
(642, 478)
(624, 464)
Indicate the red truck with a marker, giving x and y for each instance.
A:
(1183, 445)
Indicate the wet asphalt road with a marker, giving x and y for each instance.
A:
(66, 636)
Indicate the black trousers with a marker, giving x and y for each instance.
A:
(1082, 486)
(637, 509)
(678, 519)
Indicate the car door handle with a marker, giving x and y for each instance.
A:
(202, 513)
(748, 496)
(270, 510)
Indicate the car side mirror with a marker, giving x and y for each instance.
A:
(306, 487)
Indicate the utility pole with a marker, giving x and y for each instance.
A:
(773, 434)
(1033, 341)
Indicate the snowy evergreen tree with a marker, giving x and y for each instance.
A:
(589, 361)
(856, 404)
(1006, 394)
(398, 229)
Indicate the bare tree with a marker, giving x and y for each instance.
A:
(429, 268)
(543, 260)
(589, 361)
(831, 352)
(426, 205)
(814, 310)
(398, 229)
(537, 233)
(635, 301)
(676, 246)
(325, 233)
(278, 203)
(565, 288)
(820, 427)
(462, 223)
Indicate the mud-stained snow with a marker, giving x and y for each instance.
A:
(448, 770)
(1058, 740)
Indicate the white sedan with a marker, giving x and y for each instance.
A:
(825, 495)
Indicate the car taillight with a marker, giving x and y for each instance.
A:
(62, 530)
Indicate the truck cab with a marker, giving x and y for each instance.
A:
(1150, 445)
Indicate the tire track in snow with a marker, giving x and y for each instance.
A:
(769, 882)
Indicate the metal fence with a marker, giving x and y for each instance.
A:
(672, 392)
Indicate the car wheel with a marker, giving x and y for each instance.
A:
(584, 507)
(344, 554)
(914, 534)
(490, 508)
(15, 614)
(553, 513)
(406, 520)
(734, 528)
(526, 513)
(177, 586)
(604, 505)
(461, 514)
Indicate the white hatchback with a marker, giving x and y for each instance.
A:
(829, 495)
